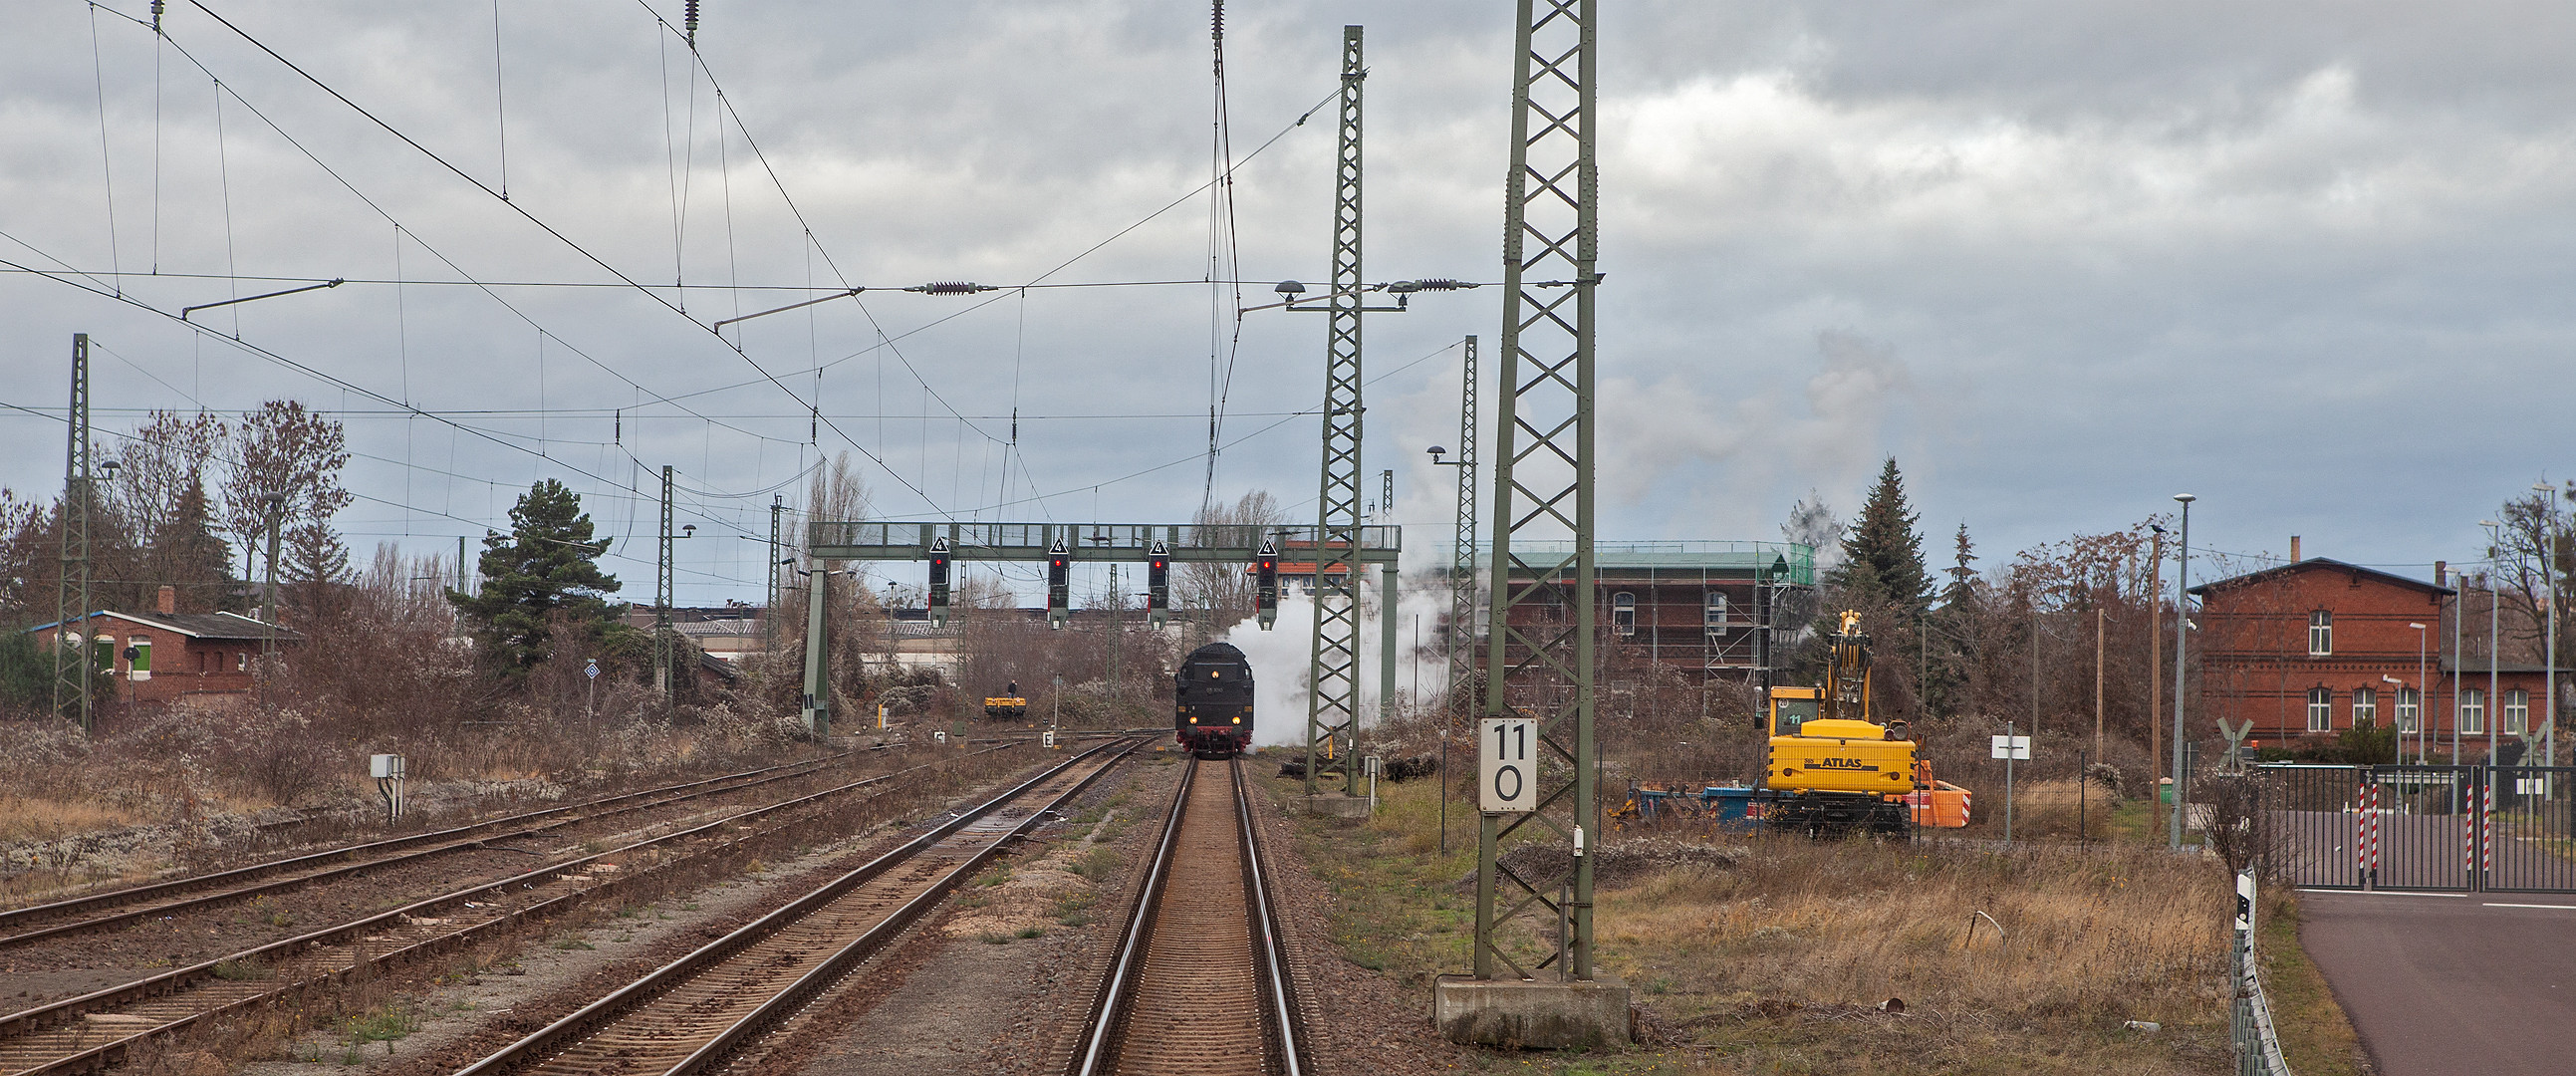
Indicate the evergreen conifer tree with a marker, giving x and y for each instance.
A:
(1883, 554)
(1960, 596)
(187, 553)
(546, 566)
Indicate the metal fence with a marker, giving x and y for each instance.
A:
(2505, 829)
(2249, 1025)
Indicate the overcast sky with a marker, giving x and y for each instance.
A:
(2061, 261)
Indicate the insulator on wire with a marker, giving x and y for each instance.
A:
(952, 287)
(158, 6)
(689, 19)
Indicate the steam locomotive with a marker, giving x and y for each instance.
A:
(1212, 702)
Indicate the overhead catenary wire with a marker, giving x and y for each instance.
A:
(539, 222)
(887, 339)
(223, 90)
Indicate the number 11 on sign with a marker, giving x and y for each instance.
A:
(1506, 766)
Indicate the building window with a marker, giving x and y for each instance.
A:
(2409, 709)
(2320, 633)
(2365, 708)
(2320, 709)
(1716, 613)
(241, 661)
(1623, 613)
(2517, 711)
(2473, 712)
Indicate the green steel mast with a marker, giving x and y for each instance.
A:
(1462, 551)
(74, 668)
(1332, 703)
(1540, 661)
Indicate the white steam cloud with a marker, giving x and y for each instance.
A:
(1280, 658)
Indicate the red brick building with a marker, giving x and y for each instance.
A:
(1700, 607)
(176, 656)
(2318, 645)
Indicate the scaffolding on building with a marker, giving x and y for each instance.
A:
(1707, 605)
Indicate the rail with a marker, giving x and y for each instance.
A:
(580, 1028)
(27, 1047)
(1118, 1013)
(295, 881)
(149, 890)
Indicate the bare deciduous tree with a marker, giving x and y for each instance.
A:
(291, 454)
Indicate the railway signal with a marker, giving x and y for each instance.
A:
(1265, 593)
(1059, 584)
(1158, 584)
(939, 582)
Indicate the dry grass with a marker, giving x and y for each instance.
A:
(34, 818)
(2100, 937)
(2044, 809)
(1775, 959)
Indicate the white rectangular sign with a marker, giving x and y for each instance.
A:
(2012, 747)
(1507, 765)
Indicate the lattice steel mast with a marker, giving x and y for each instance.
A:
(1462, 552)
(662, 598)
(74, 671)
(1540, 661)
(1333, 702)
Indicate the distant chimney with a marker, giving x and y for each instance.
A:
(168, 600)
(2294, 549)
(2441, 576)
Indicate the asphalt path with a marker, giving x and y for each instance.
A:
(2435, 984)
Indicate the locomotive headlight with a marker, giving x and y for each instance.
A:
(1238, 720)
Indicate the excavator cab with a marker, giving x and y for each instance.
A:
(1792, 707)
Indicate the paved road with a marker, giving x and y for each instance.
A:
(2450, 984)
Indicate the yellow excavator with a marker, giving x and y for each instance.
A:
(1829, 769)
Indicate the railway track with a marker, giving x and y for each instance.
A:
(1200, 983)
(115, 907)
(92, 1030)
(697, 1012)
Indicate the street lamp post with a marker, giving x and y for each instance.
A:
(2421, 732)
(2549, 658)
(2459, 611)
(2494, 632)
(2401, 707)
(2182, 624)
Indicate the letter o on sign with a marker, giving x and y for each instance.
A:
(1506, 761)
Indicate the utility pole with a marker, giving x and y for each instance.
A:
(268, 597)
(1332, 705)
(1387, 579)
(1541, 665)
(1462, 551)
(74, 670)
(2156, 654)
(2182, 637)
(662, 599)
(2097, 685)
